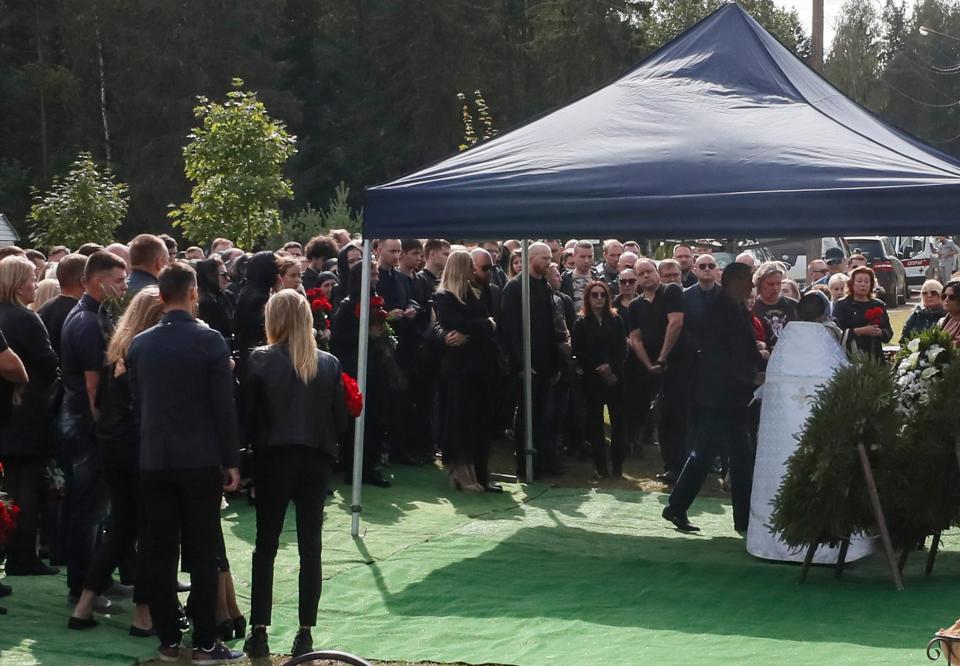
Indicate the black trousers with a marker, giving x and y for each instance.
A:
(283, 474)
(545, 453)
(598, 394)
(122, 476)
(672, 427)
(24, 483)
(719, 430)
(181, 508)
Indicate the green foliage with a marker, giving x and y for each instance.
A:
(823, 498)
(488, 129)
(84, 206)
(236, 160)
(854, 61)
(309, 222)
(919, 480)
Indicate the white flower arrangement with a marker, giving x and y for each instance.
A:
(917, 372)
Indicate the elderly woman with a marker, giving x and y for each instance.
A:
(863, 316)
(929, 312)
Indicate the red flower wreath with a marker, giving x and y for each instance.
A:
(353, 396)
(874, 316)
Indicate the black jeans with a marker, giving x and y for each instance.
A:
(719, 430)
(86, 500)
(283, 474)
(545, 453)
(24, 482)
(120, 471)
(181, 508)
(597, 394)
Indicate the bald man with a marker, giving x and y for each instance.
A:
(121, 251)
(748, 260)
(545, 355)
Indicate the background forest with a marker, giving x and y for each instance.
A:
(369, 87)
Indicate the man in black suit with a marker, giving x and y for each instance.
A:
(725, 382)
(182, 385)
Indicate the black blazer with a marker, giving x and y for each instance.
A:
(596, 342)
(30, 428)
(478, 355)
(728, 360)
(182, 388)
(283, 411)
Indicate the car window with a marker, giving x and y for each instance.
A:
(868, 247)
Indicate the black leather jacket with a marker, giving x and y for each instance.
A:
(283, 411)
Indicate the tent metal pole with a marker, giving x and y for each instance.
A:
(362, 385)
(527, 361)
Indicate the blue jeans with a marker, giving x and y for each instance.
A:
(86, 501)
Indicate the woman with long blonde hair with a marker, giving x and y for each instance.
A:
(295, 411)
(465, 367)
(119, 440)
(47, 290)
(26, 436)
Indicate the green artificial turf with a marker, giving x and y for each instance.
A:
(541, 576)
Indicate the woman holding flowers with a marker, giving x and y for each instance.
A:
(861, 316)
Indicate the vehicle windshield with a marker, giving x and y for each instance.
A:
(868, 247)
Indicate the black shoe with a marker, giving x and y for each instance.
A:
(183, 587)
(217, 654)
(239, 627)
(376, 479)
(137, 632)
(679, 519)
(81, 623)
(37, 568)
(493, 487)
(256, 645)
(5, 590)
(302, 643)
(669, 477)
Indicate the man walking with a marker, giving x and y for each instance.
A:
(725, 380)
(182, 384)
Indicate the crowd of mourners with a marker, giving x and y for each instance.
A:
(142, 383)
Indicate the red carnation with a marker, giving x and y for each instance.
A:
(353, 396)
(875, 315)
(313, 293)
(8, 521)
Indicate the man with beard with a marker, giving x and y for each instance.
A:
(683, 255)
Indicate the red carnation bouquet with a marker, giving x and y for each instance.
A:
(875, 316)
(353, 396)
(8, 514)
(377, 313)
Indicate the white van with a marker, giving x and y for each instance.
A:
(919, 257)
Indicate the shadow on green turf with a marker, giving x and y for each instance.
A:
(695, 586)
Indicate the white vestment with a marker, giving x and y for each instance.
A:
(806, 356)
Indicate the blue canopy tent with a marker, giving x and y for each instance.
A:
(723, 131)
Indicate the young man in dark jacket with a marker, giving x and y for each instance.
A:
(182, 386)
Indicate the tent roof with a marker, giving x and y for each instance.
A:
(721, 131)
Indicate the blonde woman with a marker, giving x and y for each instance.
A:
(295, 410)
(47, 290)
(119, 440)
(465, 366)
(26, 436)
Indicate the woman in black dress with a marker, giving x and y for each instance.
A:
(600, 347)
(465, 374)
(862, 316)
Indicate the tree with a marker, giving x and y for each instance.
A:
(236, 158)
(339, 214)
(85, 206)
(854, 62)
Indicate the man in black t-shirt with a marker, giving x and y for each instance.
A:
(54, 313)
(656, 320)
(773, 308)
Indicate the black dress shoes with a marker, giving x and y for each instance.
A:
(493, 487)
(679, 520)
(376, 479)
(5, 590)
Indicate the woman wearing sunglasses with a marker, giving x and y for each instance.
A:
(951, 303)
(600, 347)
(928, 313)
(628, 292)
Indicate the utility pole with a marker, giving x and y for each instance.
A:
(816, 42)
